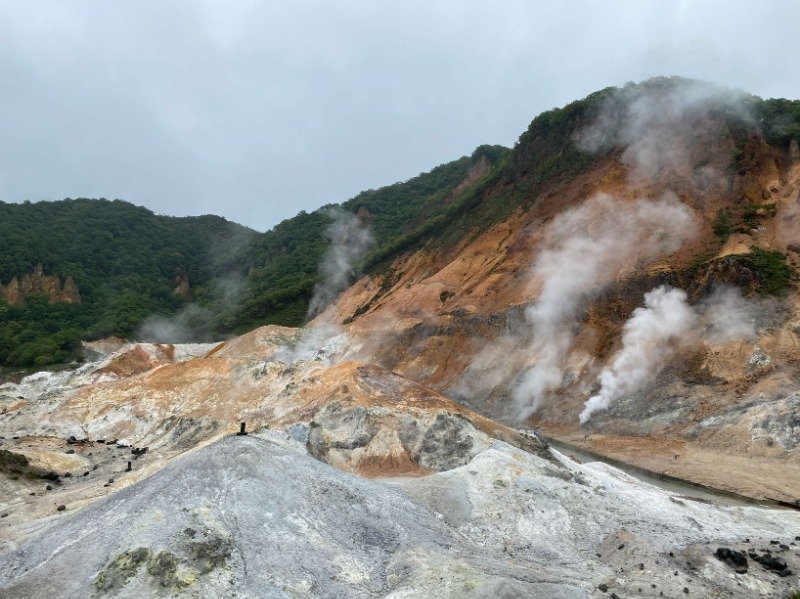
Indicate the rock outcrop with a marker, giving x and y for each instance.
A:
(381, 452)
(37, 283)
(125, 479)
(453, 318)
(181, 286)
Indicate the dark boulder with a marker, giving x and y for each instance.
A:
(735, 559)
(770, 562)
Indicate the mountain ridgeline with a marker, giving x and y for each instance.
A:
(129, 264)
(287, 258)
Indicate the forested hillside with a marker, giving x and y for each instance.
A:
(287, 257)
(127, 262)
(124, 260)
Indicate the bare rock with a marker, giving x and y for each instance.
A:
(735, 559)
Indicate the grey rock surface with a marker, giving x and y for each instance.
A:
(432, 441)
(256, 516)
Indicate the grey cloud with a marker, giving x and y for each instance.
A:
(258, 110)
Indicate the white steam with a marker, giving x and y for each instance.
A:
(583, 251)
(190, 323)
(666, 322)
(665, 129)
(728, 316)
(349, 238)
(494, 365)
(648, 340)
(788, 229)
(324, 343)
(223, 294)
(657, 121)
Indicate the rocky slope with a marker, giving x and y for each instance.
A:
(257, 517)
(575, 259)
(354, 480)
(169, 399)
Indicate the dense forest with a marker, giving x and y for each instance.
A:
(126, 260)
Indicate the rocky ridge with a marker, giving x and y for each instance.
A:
(384, 451)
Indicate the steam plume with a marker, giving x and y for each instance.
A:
(656, 123)
(665, 322)
(788, 230)
(191, 323)
(656, 126)
(584, 250)
(202, 322)
(349, 238)
(728, 316)
(648, 339)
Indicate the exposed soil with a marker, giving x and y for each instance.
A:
(756, 477)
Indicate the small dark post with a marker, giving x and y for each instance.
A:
(241, 429)
(129, 468)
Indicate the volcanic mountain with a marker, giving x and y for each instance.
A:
(620, 286)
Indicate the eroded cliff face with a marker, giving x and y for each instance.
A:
(456, 320)
(37, 283)
(182, 288)
(485, 283)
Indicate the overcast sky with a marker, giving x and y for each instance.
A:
(256, 110)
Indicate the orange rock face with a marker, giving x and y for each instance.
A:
(37, 283)
(454, 320)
